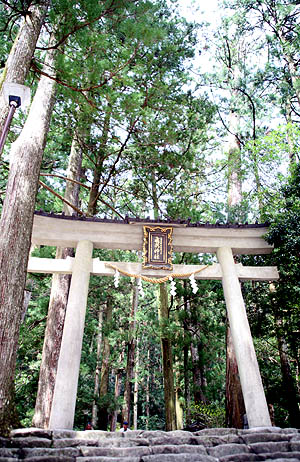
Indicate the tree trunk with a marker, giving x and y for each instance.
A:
(291, 397)
(103, 413)
(97, 372)
(148, 391)
(167, 360)
(234, 170)
(21, 53)
(118, 384)
(126, 411)
(57, 305)
(136, 387)
(16, 227)
(199, 396)
(92, 205)
(235, 407)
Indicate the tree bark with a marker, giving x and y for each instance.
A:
(199, 396)
(126, 411)
(167, 359)
(57, 306)
(97, 372)
(136, 387)
(16, 227)
(19, 59)
(235, 407)
(92, 205)
(290, 391)
(103, 413)
(118, 384)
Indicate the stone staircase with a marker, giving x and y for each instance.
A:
(209, 445)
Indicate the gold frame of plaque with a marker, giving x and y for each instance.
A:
(158, 247)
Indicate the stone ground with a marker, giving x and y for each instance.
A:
(209, 445)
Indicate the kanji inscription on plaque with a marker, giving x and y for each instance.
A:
(158, 247)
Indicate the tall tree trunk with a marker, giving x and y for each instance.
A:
(118, 385)
(167, 359)
(187, 395)
(235, 407)
(57, 305)
(92, 205)
(97, 371)
(126, 411)
(199, 396)
(147, 391)
(234, 398)
(234, 170)
(16, 227)
(21, 53)
(103, 413)
(136, 387)
(290, 391)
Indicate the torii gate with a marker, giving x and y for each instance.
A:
(86, 234)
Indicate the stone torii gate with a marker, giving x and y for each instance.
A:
(85, 234)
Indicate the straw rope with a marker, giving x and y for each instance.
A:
(155, 280)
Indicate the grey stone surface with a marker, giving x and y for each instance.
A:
(116, 452)
(178, 449)
(295, 445)
(32, 431)
(208, 441)
(62, 434)
(263, 437)
(4, 442)
(227, 449)
(9, 452)
(50, 459)
(73, 442)
(241, 458)
(217, 431)
(260, 448)
(210, 445)
(178, 458)
(281, 455)
(38, 452)
(282, 460)
(7, 459)
(171, 440)
(31, 442)
(108, 459)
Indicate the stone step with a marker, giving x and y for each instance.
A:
(209, 445)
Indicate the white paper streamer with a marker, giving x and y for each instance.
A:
(193, 283)
(116, 278)
(173, 287)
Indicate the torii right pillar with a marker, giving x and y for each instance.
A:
(252, 387)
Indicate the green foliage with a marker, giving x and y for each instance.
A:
(207, 415)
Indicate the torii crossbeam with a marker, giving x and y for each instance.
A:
(85, 234)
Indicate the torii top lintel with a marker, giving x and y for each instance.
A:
(56, 230)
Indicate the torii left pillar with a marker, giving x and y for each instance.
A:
(65, 391)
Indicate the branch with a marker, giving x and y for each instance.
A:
(108, 11)
(61, 198)
(253, 109)
(87, 89)
(65, 178)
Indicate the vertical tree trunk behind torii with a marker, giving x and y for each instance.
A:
(235, 408)
(98, 369)
(104, 380)
(57, 306)
(126, 411)
(16, 227)
(19, 59)
(167, 358)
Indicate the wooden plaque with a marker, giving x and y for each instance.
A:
(158, 247)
